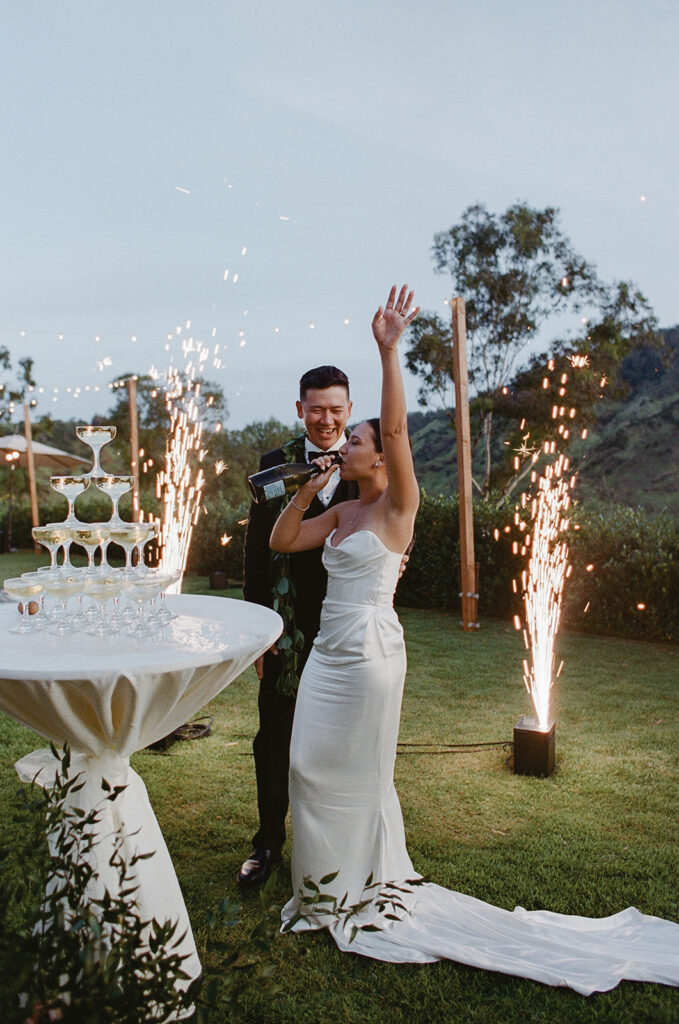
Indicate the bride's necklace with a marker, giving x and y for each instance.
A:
(354, 517)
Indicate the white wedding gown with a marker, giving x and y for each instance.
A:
(346, 813)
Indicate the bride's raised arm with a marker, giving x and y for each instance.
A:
(388, 324)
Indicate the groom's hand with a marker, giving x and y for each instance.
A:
(327, 466)
(259, 662)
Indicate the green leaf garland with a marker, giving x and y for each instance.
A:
(291, 643)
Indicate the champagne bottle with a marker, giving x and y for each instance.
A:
(286, 479)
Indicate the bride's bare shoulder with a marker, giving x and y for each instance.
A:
(345, 510)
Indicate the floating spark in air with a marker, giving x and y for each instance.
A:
(577, 361)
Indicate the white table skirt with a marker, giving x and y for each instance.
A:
(109, 698)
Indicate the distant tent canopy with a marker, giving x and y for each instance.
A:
(43, 454)
(14, 452)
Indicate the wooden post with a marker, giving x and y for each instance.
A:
(28, 433)
(469, 596)
(134, 446)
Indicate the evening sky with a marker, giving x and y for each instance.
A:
(147, 144)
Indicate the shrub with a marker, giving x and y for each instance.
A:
(207, 553)
(432, 579)
(70, 958)
(634, 559)
(632, 588)
(64, 955)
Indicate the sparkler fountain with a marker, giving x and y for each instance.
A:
(179, 485)
(542, 584)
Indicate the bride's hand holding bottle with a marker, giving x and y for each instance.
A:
(328, 465)
(289, 532)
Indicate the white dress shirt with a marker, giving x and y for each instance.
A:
(325, 495)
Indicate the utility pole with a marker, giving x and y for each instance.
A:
(28, 433)
(134, 446)
(468, 594)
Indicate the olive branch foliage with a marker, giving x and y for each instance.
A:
(387, 900)
(70, 957)
(291, 643)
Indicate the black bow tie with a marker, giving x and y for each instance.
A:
(315, 453)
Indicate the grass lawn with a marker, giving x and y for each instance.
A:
(597, 836)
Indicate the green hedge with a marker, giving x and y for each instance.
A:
(207, 553)
(634, 559)
(92, 507)
(432, 579)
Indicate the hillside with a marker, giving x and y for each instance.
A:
(630, 457)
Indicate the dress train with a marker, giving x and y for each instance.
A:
(346, 815)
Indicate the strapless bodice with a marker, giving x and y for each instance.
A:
(361, 570)
(358, 614)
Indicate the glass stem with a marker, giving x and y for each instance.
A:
(67, 555)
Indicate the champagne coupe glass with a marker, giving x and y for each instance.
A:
(101, 589)
(152, 530)
(89, 537)
(51, 537)
(142, 589)
(62, 588)
(164, 615)
(115, 487)
(24, 588)
(70, 487)
(66, 568)
(119, 618)
(163, 581)
(96, 437)
(128, 536)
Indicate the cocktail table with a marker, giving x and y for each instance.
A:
(107, 699)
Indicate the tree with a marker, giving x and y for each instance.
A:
(10, 394)
(235, 454)
(514, 270)
(154, 418)
(580, 373)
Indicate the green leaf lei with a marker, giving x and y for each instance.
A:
(291, 643)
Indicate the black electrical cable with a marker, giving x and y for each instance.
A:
(450, 748)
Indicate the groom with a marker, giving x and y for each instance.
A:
(324, 407)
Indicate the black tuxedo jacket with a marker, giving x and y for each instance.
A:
(306, 568)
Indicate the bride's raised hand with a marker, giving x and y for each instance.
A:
(389, 323)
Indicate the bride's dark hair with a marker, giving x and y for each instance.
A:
(375, 427)
(374, 424)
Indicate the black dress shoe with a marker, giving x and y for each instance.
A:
(256, 869)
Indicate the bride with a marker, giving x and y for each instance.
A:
(346, 816)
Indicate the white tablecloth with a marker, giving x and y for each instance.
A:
(108, 698)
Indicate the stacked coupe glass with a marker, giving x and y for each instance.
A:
(100, 600)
